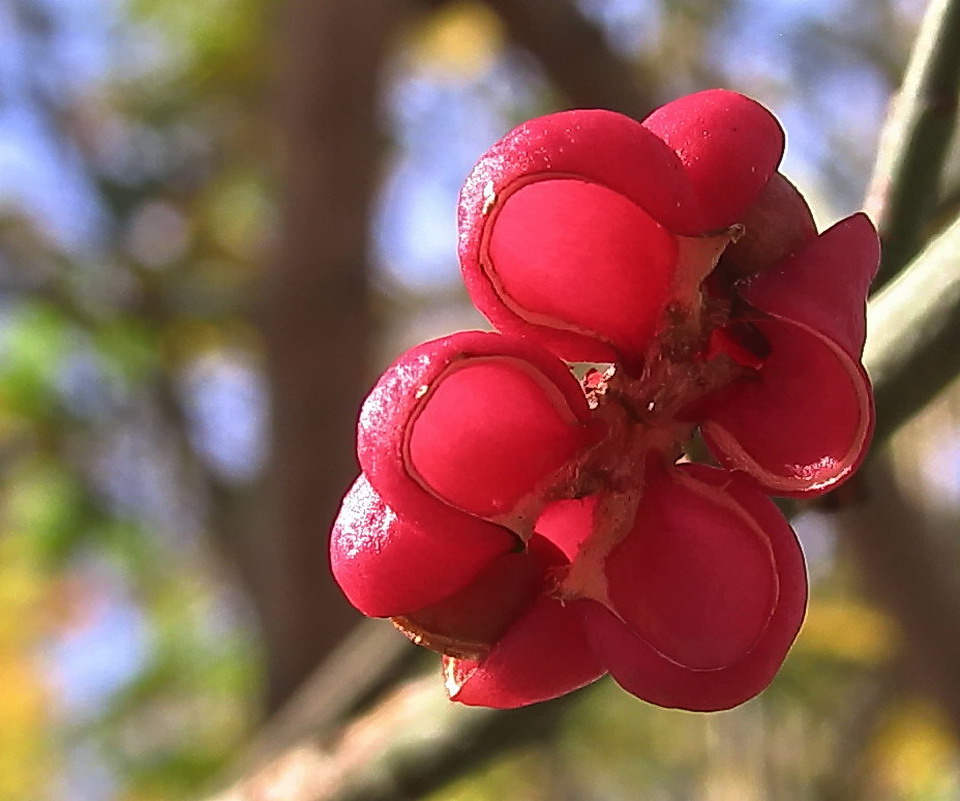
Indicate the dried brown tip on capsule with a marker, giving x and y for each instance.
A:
(778, 224)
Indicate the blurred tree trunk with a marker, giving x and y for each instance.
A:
(316, 317)
(913, 576)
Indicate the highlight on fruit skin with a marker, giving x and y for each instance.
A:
(540, 531)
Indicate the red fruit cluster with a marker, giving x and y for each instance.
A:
(540, 531)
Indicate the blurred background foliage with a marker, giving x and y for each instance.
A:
(141, 207)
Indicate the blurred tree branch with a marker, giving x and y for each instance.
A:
(362, 666)
(413, 742)
(906, 182)
(914, 326)
(574, 54)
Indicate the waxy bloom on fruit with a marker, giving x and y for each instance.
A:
(540, 531)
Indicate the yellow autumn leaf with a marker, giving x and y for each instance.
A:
(25, 754)
(462, 37)
(847, 630)
(914, 754)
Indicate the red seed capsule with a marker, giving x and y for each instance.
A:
(539, 533)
